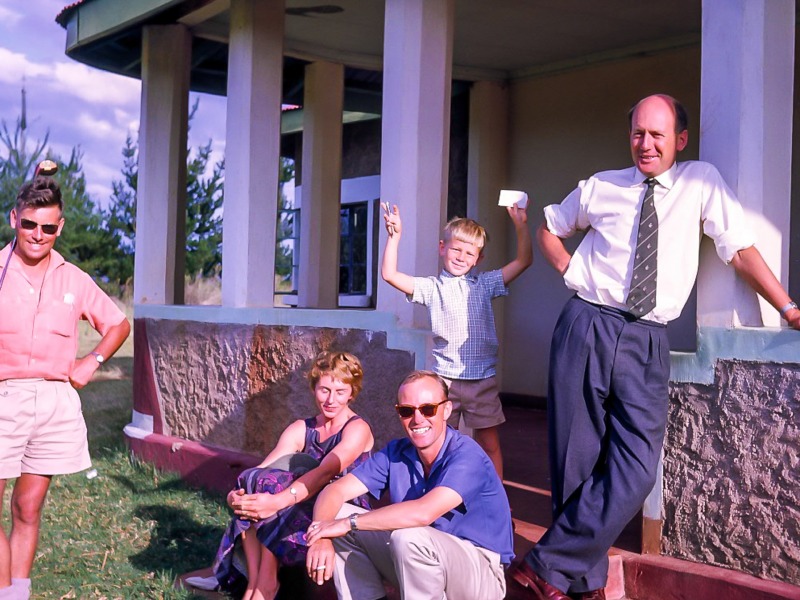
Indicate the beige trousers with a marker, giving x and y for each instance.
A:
(422, 562)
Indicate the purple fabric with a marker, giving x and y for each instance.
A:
(283, 534)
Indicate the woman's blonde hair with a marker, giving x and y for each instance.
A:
(342, 366)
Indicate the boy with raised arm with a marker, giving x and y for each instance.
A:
(460, 304)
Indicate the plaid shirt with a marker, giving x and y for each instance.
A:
(464, 337)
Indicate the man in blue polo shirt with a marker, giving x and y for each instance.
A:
(447, 529)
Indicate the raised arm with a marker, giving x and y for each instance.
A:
(553, 249)
(750, 266)
(389, 272)
(524, 256)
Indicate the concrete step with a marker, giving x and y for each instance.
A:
(633, 576)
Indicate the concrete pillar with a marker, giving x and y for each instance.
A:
(746, 118)
(417, 55)
(161, 197)
(252, 152)
(487, 174)
(323, 102)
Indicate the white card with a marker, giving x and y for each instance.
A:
(512, 197)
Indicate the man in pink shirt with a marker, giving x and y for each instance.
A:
(42, 431)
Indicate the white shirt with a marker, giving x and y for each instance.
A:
(691, 198)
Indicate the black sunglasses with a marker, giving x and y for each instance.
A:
(48, 228)
(426, 410)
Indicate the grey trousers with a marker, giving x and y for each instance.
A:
(422, 562)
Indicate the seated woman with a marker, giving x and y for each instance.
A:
(273, 502)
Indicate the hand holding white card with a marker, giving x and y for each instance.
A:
(512, 197)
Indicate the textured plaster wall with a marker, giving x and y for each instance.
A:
(732, 470)
(239, 386)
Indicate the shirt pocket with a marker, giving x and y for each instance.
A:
(58, 318)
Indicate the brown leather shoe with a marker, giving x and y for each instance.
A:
(527, 577)
(593, 595)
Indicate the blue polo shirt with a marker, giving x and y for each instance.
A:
(483, 518)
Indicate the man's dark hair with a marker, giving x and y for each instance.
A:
(39, 193)
(417, 375)
(678, 109)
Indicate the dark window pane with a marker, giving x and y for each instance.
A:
(359, 285)
(344, 280)
(360, 219)
(344, 250)
(360, 249)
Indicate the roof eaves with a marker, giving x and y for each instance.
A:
(66, 12)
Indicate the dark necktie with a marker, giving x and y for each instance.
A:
(642, 297)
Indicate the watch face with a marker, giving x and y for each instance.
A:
(99, 357)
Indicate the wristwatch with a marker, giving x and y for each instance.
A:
(354, 522)
(787, 308)
(293, 492)
(99, 357)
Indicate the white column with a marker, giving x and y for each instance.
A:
(321, 169)
(161, 194)
(417, 56)
(746, 124)
(252, 152)
(487, 174)
(487, 170)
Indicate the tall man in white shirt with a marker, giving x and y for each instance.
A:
(609, 361)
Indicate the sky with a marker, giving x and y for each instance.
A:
(78, 105)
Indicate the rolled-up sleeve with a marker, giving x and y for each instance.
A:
(565, 219)
(724, 219)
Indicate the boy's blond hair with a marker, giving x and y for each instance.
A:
(465, 230)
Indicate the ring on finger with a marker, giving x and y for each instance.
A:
(320, 568)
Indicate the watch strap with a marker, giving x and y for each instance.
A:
(787, 308)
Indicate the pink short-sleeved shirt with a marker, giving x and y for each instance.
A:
(39, 335)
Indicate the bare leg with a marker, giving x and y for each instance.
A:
(5, 549)
(27, 500)
(252, 553)
(489, 440)
(267, 581)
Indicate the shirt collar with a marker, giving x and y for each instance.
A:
(469, 276)
(666, 179)
(445, 274)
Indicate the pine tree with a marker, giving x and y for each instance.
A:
(17, 165)
(204, 195)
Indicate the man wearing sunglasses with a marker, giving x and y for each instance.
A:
(42, 431)
(446, 532)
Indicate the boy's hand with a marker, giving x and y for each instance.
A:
(391, 217)
(518, 215)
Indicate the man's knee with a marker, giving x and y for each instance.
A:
(410, 546)
(27, 508)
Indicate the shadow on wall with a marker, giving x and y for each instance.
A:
(227, 391)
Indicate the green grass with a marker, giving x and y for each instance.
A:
(131, 530)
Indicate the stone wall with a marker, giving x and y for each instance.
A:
(239, 386)
(732, 470)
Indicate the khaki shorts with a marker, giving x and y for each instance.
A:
(42, 430)
(478, 400)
